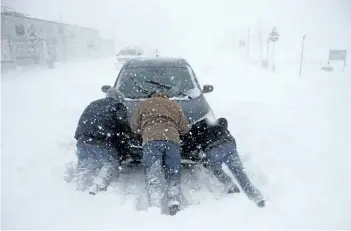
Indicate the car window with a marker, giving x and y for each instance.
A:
(131, 80)
(192, 75)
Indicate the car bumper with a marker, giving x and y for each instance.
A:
(136, 153)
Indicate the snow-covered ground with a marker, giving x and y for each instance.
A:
(293, 134)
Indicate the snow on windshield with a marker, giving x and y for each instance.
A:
(138, 82)
(194, 93)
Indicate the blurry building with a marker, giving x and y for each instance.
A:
(26, 40)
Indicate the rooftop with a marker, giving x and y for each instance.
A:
(11, 12)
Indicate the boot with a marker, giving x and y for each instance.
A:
(233, 189)
(174, 209)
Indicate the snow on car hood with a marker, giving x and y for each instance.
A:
(193, 93)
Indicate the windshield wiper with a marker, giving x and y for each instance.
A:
(139, 86)
(159, 84)
(166, 87)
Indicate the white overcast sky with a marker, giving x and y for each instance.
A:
(194, 24)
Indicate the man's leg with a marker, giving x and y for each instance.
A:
(86, 166)
(232, 160)
(216, 157)
(105, 156)
(152, 160)
(172, 162)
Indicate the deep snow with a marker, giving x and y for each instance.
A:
(293, 134)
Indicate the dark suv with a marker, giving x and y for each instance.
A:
(140, 77)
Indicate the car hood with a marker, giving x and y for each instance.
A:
(195, 109)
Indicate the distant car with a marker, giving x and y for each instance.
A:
(127, 54)
(139, 77)
(327, 68)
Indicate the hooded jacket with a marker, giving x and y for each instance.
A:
(204, 135)
(159, 118)
(104, 121)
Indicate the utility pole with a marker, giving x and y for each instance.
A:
(260, 38)
(267, 52)
(248, 45)
(303, 47)
(273, 36)
(273, 65)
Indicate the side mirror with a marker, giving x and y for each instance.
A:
(105, 88)
(207, 89)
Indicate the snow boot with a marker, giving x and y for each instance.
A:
(259, 200)
(261, 204)
(233, 189)
(174, 209)
(173, 197)
(173, 206)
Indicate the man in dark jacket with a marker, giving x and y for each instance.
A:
(160, 121)
(101, 132)
(220, 147)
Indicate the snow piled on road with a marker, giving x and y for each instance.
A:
(293, 134)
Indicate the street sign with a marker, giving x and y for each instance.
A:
(337, 54)
(273, 36)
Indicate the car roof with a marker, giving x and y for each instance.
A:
(156, 62)
(130, 48)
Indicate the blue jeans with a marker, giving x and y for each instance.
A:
(156, 154)
(227, 153)
(96, 165)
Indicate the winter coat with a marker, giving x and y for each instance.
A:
(159, 118)
(203, 135)
(104, 121)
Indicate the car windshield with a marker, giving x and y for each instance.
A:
(127, 52)
(133, 81)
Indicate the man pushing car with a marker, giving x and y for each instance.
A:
(220, 147)
(101, 133)
(160, 121)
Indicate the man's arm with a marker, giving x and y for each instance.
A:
(135, 121)
(121, 112)
(184, 126)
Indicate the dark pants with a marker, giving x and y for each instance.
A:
(160, 153)
(227, 153)
(96, 165)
